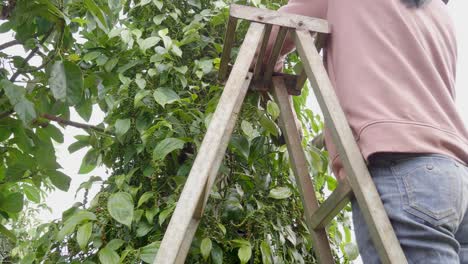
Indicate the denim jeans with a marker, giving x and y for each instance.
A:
(426, 199)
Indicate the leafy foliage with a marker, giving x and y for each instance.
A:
(150, 65)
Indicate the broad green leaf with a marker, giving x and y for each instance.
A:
(25, 111)
(269, 125)
(205, 247)
(91, 55)
(54, 133)
(110, 64)
(120, 207)
(267, 257)
(32, 193)
(108, 256)
(217, 254)
(59, 180)
(164, 214)
(148, 43)
(87, 166)
(9, 234)
(159, 19)
(273, 109)
(244, 253)
(83, 234)
(144, 2)
(158, 4)
(148, 252)
(66, 82)
(74, 220)
(165, 96)
(280, 193)
(115, 244)
(13, 92)
(97, 12)
(248, 129)
(145, 197)
(143, 229)
(121, 127)
(22, 106)
(12, 202)
(141, 82)
(166, 146)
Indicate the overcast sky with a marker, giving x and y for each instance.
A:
(59, 201)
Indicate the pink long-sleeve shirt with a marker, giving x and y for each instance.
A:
(393, 70)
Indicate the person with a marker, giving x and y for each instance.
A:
(392, 64)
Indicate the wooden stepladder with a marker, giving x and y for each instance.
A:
(189, 210)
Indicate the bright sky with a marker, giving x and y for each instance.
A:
(60, 201)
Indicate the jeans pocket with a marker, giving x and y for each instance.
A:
(430, 190)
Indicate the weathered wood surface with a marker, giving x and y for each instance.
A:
(275, 54)
(301, 170)
(173, 246)
(332, 205)
(261, 53)
(359, 178)
(228, 43)
(280, 19)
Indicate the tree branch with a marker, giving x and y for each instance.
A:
(31, 54)
(74, 124)
(9, 44)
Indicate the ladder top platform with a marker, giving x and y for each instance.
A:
(266, 16)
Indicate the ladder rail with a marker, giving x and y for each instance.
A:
(214, 144)
(301, 171)
(381, 230)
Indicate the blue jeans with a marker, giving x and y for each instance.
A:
(426, 199)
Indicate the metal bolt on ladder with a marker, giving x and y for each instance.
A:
(306, 31)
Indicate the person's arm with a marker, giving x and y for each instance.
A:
(312, 8)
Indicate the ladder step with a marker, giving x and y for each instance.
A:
(332, 206)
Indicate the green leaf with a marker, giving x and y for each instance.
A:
(115, 244)
(12, 202)
(269, 125)
(8, 233)
(148, 252)
(25, 111)
(143, 229)
(13, 92)
(54, 133)
(145, 197)
(97, 12)
(273, 109)
(32, 193)
(120, 207)
(280, 193)
(205, 247)
(59, 180)
(159, 19)
(121, 127)
(89, 162)
(148, 43)
(166, 146)
(91, 55)
(217, 254)
(74, 220)
(108, 256)
(244, 253)
(83, 234)
(267, 257)
(165, 96)
(66, 82)
(158, 4)
(248, 130)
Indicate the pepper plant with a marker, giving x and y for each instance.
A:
(151, 67)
